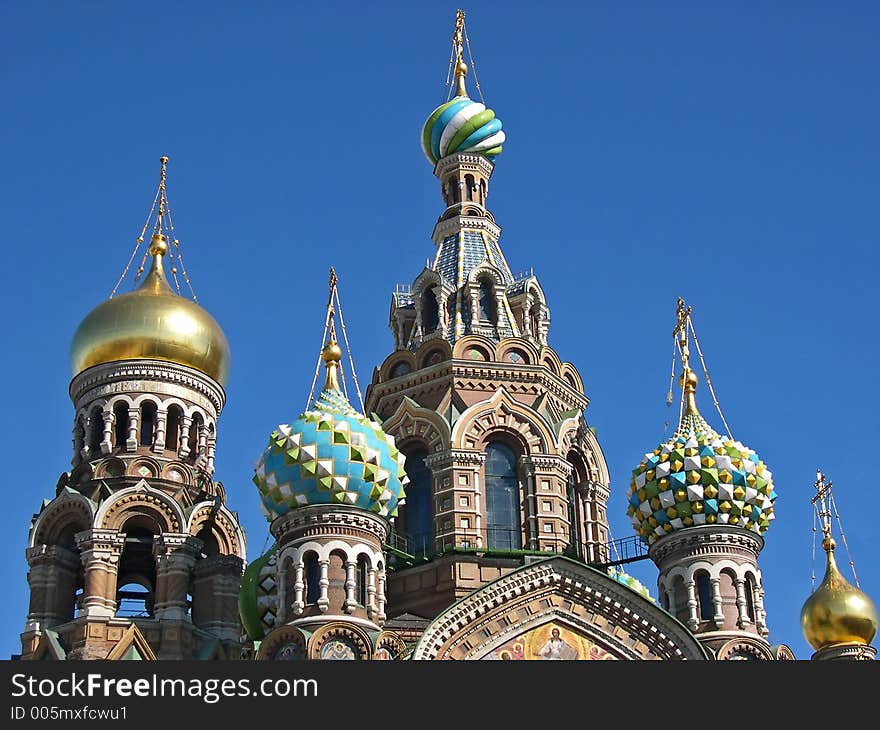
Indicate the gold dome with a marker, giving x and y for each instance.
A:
(152, 322)
(838, 612)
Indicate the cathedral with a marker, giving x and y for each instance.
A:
(457, 512)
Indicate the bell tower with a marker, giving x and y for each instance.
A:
(503, 465)
(137, 551)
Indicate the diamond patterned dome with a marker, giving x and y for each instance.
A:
(331, 455)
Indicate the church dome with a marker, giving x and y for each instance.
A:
(151, 322)
(462, 125)
(699, 477)
(331, 455)
(837, 612)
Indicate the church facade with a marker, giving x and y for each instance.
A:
(461, 515)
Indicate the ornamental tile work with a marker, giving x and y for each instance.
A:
(331, 455)
(696, 478)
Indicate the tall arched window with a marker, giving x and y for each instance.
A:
(120, 420)
(195, 432)
(750, 596)
(313, 577)
(96, 431)
(430, 311)
(503, 528)
(172, 428)
(361, 580)
(487, 301)
(418, 518)
(704, 593)
(148, 422)
(469, 186)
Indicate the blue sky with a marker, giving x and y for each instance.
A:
(726, 154)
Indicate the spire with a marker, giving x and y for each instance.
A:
(688, 379)
(461, 68)
(332, 353)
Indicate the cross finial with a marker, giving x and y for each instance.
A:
(461, 68)
(821, 501)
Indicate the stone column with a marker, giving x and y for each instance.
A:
(527, 478)
(106, 442)
(211, 448)
(350, 584)
(693, 620)
(100, 551)
(380, 612)
(324, 583)
(183, 445)
(443, 315)
(176, 554)
(52, 579)
(299, 586)
(161, 425)
(131, 442)
(743, 618)
(527, 317)
(216, 584)
(203, 440)
(718, 616)
(760, 613)
(670, 600)
(371, 592)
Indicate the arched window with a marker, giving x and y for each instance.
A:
(502, 499)
(96, 431)
(704, 593)
(487, 301)
(469, 186)
(172, 428)
(750, 596)
(137, 571)
(195, 430)
(417, 512)
(148, 423)
(430, 311)
(120, 420)
(361, 580)
(313, 577)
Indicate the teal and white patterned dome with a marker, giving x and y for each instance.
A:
(331, 455)
(462, 125)
(696, 478)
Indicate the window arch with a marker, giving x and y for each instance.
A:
(430, 311)
(502, 498)
(120, 423)
(750, 596)
(361, 579)
(195, 433)
(418, 518)
(704, 595)
(487, 301)
(172, 428)
(148, 422)
(96, 431)
(312, 569)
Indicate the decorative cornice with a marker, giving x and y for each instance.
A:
(706, 540)
(150, 370)
(448, 226)
(464, 161)
(285, 527)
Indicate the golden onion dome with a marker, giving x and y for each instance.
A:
(152, 322)
(837, 612)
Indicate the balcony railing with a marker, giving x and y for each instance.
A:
(409, 549)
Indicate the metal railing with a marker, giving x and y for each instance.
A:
(408, 549)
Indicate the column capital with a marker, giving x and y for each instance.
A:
(99, 540)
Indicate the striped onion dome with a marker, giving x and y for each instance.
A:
(461, 125)
(699, 477)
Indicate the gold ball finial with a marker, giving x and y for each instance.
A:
(688, 381)
(158, 245)
(332, 352)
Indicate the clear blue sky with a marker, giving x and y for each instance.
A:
(724, 153)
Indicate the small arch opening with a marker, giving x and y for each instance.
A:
(469, 186)
(148, 423)
(172, 428)
(120, 423)
(312, 570)
(361, 579)
(430, 311)
(195, 433)
(487, 301)
(704, 596)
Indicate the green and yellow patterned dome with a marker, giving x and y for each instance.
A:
(331, 455)
(699, 477)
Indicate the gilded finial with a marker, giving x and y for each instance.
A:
(332, 352)
(461, 68)
(158, 243)
(688, 380)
